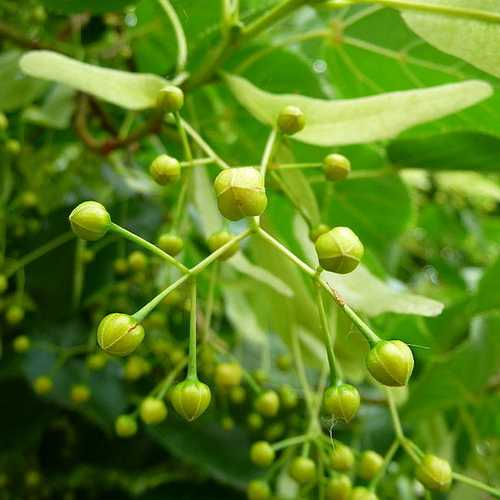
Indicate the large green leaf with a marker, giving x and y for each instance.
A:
(357, 121)
(128, 90)
(472, 39)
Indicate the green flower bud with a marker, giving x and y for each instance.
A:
(227, 424)
(32, 479)
(219, 239)
(14, 315)
(262, 454)
(339, 250)
(80, 393)
(90, 220)
(390, 363)
(97, 361)
(288, 397)
(125, 426)
(12, 147)
(275, 431)
(255, 421)
(4, 123)
(228, 375)
(237, 395)
(361, 493)
(303, 470)
(369, 465)
(268, 404)
(135, 368)
(170, 99)
(21, 343)
(336, 167)
(120, 266)
(165, 170)
(43, 385)
(341, 457)
(4, 283)
(291, 120)
(190, 399)
(152, 411)
(171, 243)
(341, 402)
(258, 490)
(137, 261)
(317, 231)
(119, 334)
(240, 193)
(284, 362)
(434, 473)
(338, 488)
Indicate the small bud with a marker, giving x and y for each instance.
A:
(171, 243)
(119, 334)
(120, 266)
(341, 457)
(170, 99)
(291, 120)
(434, 473)
(4, 283)
(12, 147)
(369, 465)
(125, 426)
(336, 167)
(284, 362)
(190, 399)
(238, 395)
(228, 375)
(97, 361)
(255, 421)
(165, 170)
(288, 397)
(90, 220)
(227, 424)
(341, 402)
(240, 193)
(361, 493)
(43, 385)
(390, 363)
(152, 411)
(219, 239)
(338, 488)
(317, 231)
(268, 404)
(262, 454)
(135, 368)
(14, 315)
(275, 431)
(339, 250)
(21, 343)
(4, 123)
(258, 490)
(137, 261)
(303, 470)
(80, 393)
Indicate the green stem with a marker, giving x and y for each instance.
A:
(251, 382)
(285, 443)
(169, 379)
(301, 372)
(268, 152)
(476, 484)
(293, 166)
(387, 460)
(394, 415)
(199, 162)
(79, 274)
(209, 308)
(39, 252)
(192, 373)
(179, 34)
(148, 246)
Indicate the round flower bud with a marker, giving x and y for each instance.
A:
(28, 199)
(219, 239)
(152, 411)
(341, 402)
(341, 457)
(240, 193)
(237, 395)
(119, 334)
(228, 375)
(369, 465)
(291, 120)
(43, 385)
(97, 361)
(170, 99)
(227, 424)
(80, 393)
(32, 478)
(361, 493)
(190, 399)
(171, 243)
(284, 362)
(258, 490)
(120, 266)
(4, 123)
(262, 454)
(255, 421)
(288, 397)
(135, 368)
(317, 231)
(90, 220)
(268, 404)
(390, 363)
(4, 283)
(21, 343)
(125, 426)
(434, 473)
(137, 261)
(336, 167)
(14, 315)
(164, 170)
(338, 488)
(339, 250)
(275, 431)
(303, 470)
(12, 147)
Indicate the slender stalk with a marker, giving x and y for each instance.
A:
(182, 52)
(301, 372)
(148, 246)
(293, 166)
(169, 379)
(268, 152)
(394, 415)
(79, 274)
(251, 382)
(39, 252)
(199, 162)
(209, 307)
(476, 484)
(387, 460)
(285, 443)
(192, 373)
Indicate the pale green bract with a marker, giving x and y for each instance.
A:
(128, 90)
(473, 40)
(359, 121)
